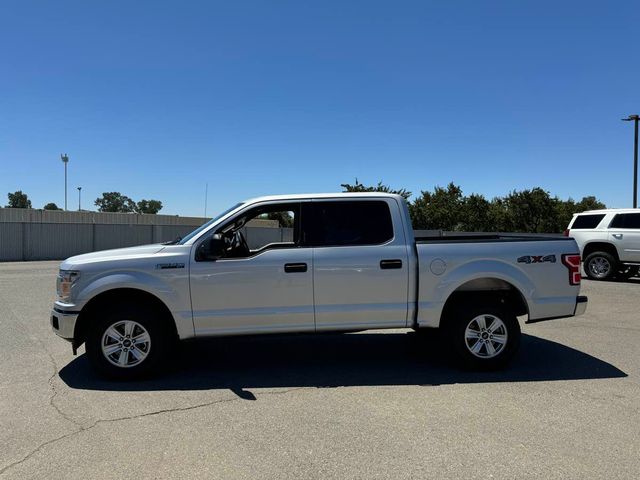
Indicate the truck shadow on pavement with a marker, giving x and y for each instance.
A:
(339, 360)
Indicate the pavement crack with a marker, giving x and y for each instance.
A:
(129, 417)
(52, 385)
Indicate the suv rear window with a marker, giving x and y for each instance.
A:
(626, 220)
(586, 221)
(342, 223)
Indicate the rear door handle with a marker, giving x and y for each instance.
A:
(295, 267)
(389, 264)
(617, 235)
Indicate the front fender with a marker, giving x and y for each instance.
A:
(173, 291)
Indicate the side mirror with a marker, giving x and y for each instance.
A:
(212, 248)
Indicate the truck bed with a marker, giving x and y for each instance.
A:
(431, 236)
(530, 264)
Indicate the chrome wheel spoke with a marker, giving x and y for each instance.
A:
(481, 322)
(476, 348)
(113, 333)
(122, 358)
(138, 354)
(495, 324)
(142, 338)
(111, 349)
(128, 328)
(501, 339)
(491, 351)
(472, 334)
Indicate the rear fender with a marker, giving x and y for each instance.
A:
(429, 312)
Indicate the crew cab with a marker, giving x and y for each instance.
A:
(314, 263)
(609, 241)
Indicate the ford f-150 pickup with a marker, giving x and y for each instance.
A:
(314, 263)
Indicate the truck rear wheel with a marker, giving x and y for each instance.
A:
(484, 338)
(128, 343)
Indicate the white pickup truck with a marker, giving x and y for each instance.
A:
(326, 262)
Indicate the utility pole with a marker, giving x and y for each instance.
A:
(65, 159)
(634, 118)
(79, 190)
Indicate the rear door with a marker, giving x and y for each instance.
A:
(624, 233)
(360, 270)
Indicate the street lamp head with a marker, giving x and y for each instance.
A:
(631, 118)
(79, 188)
(64, 157)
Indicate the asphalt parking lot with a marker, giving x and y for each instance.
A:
(366, 405)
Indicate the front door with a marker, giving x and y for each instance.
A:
(262, 283)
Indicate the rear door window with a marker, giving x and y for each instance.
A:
(626, 220)
(343, 223)
(586, 221)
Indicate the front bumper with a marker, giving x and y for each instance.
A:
(63, 322)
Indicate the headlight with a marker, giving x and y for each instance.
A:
(64, 283)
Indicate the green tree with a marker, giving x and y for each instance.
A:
(18, 200)
(532, 211)
(148, 206)
(528, 211)
(51, 206)
(380, 187)
(589, 203)
(476, 215)
(440, 210)
(115, 202)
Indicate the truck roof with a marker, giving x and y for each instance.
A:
(304, 196)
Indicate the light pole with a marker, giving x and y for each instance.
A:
(635, 119)
(79, 190)
(65, 159)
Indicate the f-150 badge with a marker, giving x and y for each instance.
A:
(537, 259)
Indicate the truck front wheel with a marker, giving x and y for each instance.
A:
(484, 338)
(127, 343)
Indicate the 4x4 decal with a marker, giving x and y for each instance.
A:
(537, 259)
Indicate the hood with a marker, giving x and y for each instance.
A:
(118, 253)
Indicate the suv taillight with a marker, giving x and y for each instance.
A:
(572, 262)
(566, 232)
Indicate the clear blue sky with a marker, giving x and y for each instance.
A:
(154, 99)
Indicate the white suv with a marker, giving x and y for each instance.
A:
(609, 241)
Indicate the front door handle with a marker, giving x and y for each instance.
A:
(617, 235)
(295, 267)
(389, 264)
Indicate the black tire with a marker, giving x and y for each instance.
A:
(600, 266)
(625, 272)
(483, 359)
(160, 341)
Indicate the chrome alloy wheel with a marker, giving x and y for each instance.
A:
(126, 343)
(486, 336)
(599, 267)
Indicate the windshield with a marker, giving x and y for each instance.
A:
(206, 225)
